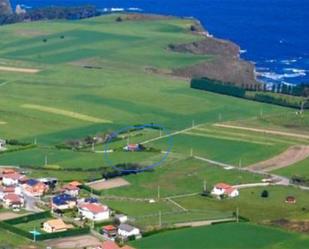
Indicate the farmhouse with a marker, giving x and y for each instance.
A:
(55, 225)
(13, 200)
(132, 147)
(126, 230)
(223, 189)
(109, 231)
(34, 188)
(94, 211)
(11, 179)
(70, 190)
(63, 201)
(9, 190)
(2, 144)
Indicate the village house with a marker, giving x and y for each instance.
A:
(126, 230)
(70, 190)
(109, 232)
(108, 244)
(132, 147)
(34, 188)
(9, 190)
(13, 201)
(11, 179)
(2, 144)
(63, 201)
(121, 218)
(94, 211)
(56, 225)
(223, 189)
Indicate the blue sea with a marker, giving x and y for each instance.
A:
(274, 34)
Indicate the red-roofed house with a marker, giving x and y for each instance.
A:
(69, 189)
(9, 190)
(109, 231)
(13, 200)
(11, 179)
(223, 189)
(94, 211)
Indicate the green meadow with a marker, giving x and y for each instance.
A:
(224, 236)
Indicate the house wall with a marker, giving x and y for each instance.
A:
(95, 217)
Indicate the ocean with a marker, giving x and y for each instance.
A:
(274, 34)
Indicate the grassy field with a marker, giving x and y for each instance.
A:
(225, 236)
(298, 169)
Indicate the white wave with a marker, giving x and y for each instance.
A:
(116, 9)
(288, 62)
(296, 70)
(276, 76)
(135, 9)
(271, 60)
(242, 51)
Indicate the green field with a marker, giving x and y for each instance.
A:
(298, 169)
(225, 236)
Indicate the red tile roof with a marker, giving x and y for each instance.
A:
(223, 186)
(70, 187)
(109, 228)
(12, 198)
(108, 244)
(14, 176)
(94, 207)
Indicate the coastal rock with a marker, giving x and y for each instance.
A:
(5, 7)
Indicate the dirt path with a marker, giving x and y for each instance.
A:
(19, 69)
(281, 133)
(74, 242)
(289, 157)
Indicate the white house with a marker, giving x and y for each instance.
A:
(223, 189)
(126, 230)
(121, 218)
(13, 200)
(94, 211)
(2, 144)
(71, 190)
(9, 190)
(11, 179)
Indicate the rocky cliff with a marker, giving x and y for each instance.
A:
(5, 7)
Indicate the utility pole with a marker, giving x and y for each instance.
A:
(205, 186)
(261, 112)
(92, 146)
(35, 141)
(160, 219)
(237, 215)
(158, 192)
(160, 132)
(220, 117)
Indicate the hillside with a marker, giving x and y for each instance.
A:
(5, 7)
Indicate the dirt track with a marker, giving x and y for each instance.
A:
(9, 215)
(281, 133)
(289, 157)
(74, 242)
(19, 69)
(109, 184)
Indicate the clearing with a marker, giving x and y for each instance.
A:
(9, 215)
(109, 184)
(291, 156)
(70, 114)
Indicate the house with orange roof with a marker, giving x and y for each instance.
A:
(94, 211)
(72, 190)
(223, 189)
(56, 225)
(9, 190)
(34, 188)
(109, 231)
(13, 200)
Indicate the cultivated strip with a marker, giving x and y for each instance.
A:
(19, 70)
(66, 113)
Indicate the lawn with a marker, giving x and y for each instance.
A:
(224, 236)
(298, 169)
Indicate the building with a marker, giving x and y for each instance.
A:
(223, 189)
(2, 144)
(34, 188)
(70, 190)
(132, 147)
(63, 201)
(94, 211)
(9, 190)
(126, 230)
(13, 201)
(55, 225)
(11, 179)
(51, 182)
(109, 231)
(121, 218)
(290, 200)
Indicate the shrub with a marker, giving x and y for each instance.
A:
(264, 194)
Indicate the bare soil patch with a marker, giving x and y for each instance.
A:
(74, 242)
(289, 157)
(9, 215)
(109, 184)
(296, 226)
(19, 69)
